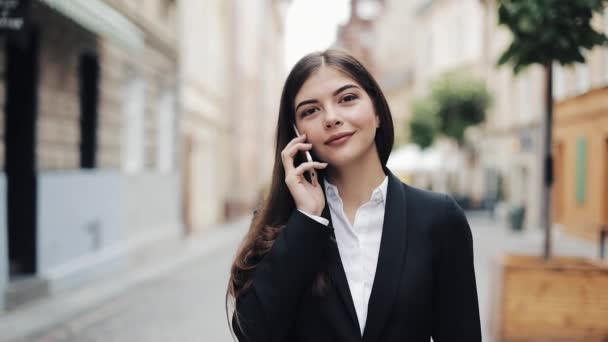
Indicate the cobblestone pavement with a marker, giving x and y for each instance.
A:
(188, 305)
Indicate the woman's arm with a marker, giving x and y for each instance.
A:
(267, 310)
(455, 305)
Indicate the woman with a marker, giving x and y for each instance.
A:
(341, 250)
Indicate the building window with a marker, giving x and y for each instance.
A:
(166, 131)
(133, 132)
(583, 82)
(581, 170)
(559, 84)
(606, 48)
(88, 72)
(524, 103)
(167, 8)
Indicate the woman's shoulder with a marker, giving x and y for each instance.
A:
(439, 209)
(426, 197)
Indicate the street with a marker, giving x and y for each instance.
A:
(188, 304)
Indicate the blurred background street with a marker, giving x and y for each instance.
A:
(137, 137)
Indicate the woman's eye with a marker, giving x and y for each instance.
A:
(349, 97)
(309, 111)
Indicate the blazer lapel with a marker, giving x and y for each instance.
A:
(393, 245)
(336, 273)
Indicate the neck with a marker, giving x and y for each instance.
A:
(357, 181)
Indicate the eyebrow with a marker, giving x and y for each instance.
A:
(336, 92)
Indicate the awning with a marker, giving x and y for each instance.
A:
(101, 19)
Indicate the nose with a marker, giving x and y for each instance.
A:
(331, 118)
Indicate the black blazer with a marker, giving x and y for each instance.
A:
(424, 284)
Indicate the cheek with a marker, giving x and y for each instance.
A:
(365, 117)
(312, 134)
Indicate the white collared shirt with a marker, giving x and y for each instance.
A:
(358, 244)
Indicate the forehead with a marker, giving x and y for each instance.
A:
(323, 82)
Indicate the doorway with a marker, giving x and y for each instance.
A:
(21, 65)
(558, 184)
(89, 94)
(606, 181)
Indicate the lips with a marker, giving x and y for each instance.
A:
(339, 138)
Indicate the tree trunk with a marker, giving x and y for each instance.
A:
(548, 160)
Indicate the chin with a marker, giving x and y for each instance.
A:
(342, 158)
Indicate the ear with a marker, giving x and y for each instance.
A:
(377, 121)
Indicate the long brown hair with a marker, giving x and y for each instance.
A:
(277, 207)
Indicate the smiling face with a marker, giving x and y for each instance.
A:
(330, 103)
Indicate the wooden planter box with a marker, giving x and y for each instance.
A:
(565, 299)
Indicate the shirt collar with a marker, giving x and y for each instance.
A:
(378, 195)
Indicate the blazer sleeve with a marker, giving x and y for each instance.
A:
(267, 310)
(455, 303)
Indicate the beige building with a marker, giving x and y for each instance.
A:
(358, 35)
(580, 143)
(258, 75)
(205, 34)
(231, 72)
(420, 40)
(511, 140)
(124, 120)
(88, 139)
(393, 57)
(448, 36)
(414, 42)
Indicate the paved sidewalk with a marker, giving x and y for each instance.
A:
(26, 322)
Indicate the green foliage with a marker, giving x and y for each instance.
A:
(462, 102)
(424, 123)
(545, 31)
(456, 102)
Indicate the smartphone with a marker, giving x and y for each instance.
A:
(308, 156)
(307, 174)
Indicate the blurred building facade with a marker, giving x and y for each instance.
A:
(419, 41)
(89, 128)
(393, 57)
(511, 140)
(580, 145)
(415, 42)
(257, 75)
(447, 36)
(127, 125)
(231, 74)
(205, 29)
(358, 34)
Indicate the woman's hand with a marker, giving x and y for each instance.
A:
(308, 196)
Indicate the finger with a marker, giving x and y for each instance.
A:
(293, 150)
(291, 143)
(308, 166)
(288, 155)
(295, 140)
